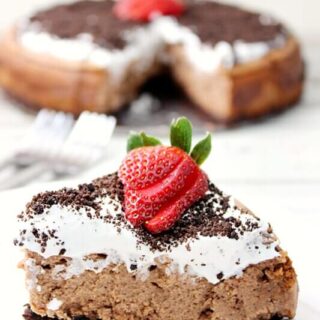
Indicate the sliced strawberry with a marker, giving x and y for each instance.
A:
(142, 205)
(170, 213)
(161, 182)
(137, 210)
(167, 188)
(146, 166)
(142, 10)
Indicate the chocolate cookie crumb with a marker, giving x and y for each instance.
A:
(206, 217)
(220, 275)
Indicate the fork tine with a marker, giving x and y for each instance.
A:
(46, 135)
(92, 128)
(87, 141)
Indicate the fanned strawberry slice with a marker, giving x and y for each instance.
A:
(142, 10)
(142, 205)
(146, 166)
(137, 211)
(170, 213)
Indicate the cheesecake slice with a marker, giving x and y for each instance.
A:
(83, 259)
(156, 240)
(233, 64)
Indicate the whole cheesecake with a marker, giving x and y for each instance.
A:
(156, 240)
(232, 63)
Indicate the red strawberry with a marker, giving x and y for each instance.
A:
(170, 213)
(144, 167)
(142, 10)
(142, 205)
(160, 182)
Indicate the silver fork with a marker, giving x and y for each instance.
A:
(85, 144)
(46, 136)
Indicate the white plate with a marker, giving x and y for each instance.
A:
(13, 295)
(305, 312)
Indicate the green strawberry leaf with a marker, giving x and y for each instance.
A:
(181, 134)
(138, 140)
(202, 150)
(134, 141)
(149, 140)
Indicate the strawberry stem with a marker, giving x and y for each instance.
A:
(134, 141)
(202, 150)
(181, 134)
(180, 137)
(138, 140)
(149, 140)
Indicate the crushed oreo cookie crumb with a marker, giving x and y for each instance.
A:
(205, 218)
(89, 197)
(95, 18)
(133, 267)
(220, 275)
(214, 22)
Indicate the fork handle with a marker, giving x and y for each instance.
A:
(24, 176)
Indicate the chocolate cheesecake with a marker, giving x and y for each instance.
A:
(232, 63)
(83, 259)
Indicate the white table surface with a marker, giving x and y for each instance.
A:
(272, 166)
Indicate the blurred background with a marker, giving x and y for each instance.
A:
(272, 165)
(303, 16)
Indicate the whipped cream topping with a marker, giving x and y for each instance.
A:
(224, 242)
(141, 50)
(144, 46)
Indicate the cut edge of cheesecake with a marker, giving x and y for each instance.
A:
(265, 291)
(246, 91)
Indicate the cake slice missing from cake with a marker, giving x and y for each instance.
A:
(85, 258)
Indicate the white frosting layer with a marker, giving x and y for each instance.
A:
(142, 49)
(145, 46)
(204, 257)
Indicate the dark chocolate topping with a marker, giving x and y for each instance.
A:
(205, 218)
(213, 22)
(90, 17)
(85, 196)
